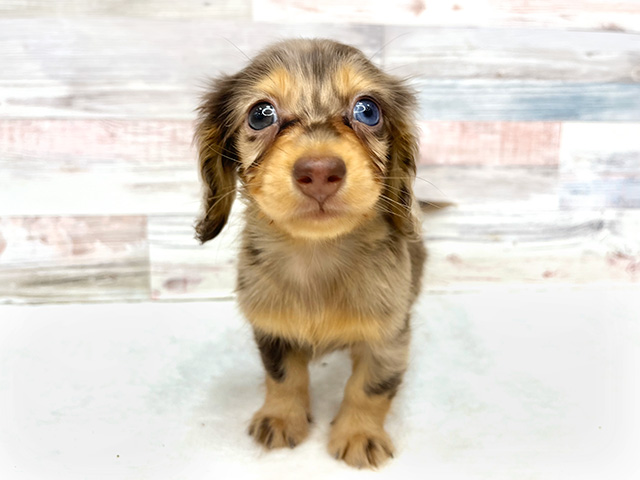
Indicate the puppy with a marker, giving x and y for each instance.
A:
(323, 146)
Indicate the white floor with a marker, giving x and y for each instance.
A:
(504, 384)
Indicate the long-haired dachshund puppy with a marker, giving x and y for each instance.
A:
(323, 144)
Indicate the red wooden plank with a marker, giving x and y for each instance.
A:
(490, 143)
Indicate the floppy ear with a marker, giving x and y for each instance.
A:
(218, 158)
(402, 164)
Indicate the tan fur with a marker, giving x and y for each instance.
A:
(313, 278)
(287, 407)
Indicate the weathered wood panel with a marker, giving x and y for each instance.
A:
(494, 100)
(105, 258)
(490, 188)
(183, 269)
(133, 68)
(73, 259)
(145, 8)
(600, 165)
(512, 54)
(95, 167)
(469, 247)
(489, 143)
(578, 14)
(98, 167)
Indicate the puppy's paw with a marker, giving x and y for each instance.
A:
(361, 449)
(275, 430)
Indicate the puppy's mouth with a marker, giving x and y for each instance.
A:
(312, 210)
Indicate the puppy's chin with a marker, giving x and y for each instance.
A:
(309, 222)
(322, 226)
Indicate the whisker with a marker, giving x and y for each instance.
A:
(238, 48)
(218, 200)
(432, 184)
(387, 44)
(395, 202)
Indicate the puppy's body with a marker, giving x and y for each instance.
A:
(331, 255)
(328, 293)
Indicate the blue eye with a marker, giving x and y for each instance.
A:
(262, 116)
(367, 112)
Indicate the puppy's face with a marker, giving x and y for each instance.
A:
(321, 139)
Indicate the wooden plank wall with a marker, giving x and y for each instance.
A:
(529, 113)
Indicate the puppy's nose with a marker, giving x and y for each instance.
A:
(319, 177)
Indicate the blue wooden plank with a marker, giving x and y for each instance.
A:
(495, 100)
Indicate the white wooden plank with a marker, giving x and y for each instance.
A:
(95, 167)
(600, 165)
(512, 54)
(146, 8)
(53, 167)
(73, 259)
(133, 68)
(182, 269)
(468, 247)
(104, 259)
(569, 14)
(518, 246)
(489, 188)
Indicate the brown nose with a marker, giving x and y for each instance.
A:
(319, 177)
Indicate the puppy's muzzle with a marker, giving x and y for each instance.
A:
(319, 177)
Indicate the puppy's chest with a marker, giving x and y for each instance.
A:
(315, 269)
(324, 294)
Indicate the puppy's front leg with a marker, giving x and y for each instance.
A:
(283, 420)
(358, 436)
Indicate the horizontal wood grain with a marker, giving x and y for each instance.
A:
(600, 165)
(97, 167)
(146, 8)
(73, 259)
(533, 247)
(129, 68)
(489, 143)
(512, 54)
(489, 188)
(133, 68)
(116, 167)
(106, 258)
(183, 269)
(469, 246)
(495, 100)
(570, 14)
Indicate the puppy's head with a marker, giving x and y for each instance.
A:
(320, 138)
